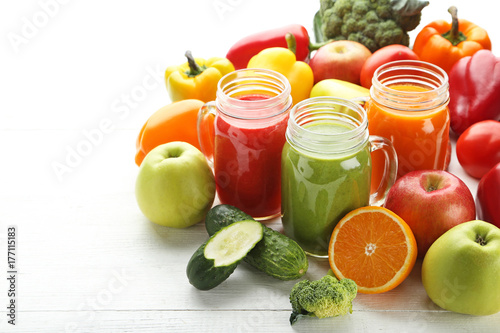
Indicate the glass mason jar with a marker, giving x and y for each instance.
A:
(326, 169)
(409, 105)
(251, 113)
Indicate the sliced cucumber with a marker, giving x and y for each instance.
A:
(216, 259)
(276, 255)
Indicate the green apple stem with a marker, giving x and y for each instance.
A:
(480, 240)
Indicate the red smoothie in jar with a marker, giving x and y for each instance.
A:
(247, 161)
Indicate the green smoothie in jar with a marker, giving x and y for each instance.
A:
(326, 169)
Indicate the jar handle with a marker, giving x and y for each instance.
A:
(205, 128)
(390, 169)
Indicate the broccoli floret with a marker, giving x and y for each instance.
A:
(363, 39)
(374, 23)
(371, 17)
(342, 6)
(360, 8)
(389, 32)
(334, 29)
(326, 297)
(325, 4)
(383, 10)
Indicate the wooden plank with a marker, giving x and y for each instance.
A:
(247, 321)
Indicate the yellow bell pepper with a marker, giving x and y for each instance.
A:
(197, 78)
(283, 60)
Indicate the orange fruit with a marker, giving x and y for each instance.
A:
(374, 247)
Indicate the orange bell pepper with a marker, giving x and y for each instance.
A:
(174, 122)
(443, 44)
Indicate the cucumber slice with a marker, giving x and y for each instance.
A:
(216, 259)
(232, 243)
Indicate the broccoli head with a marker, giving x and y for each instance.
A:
(373, 23)
(326, 297)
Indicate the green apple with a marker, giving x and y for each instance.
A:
(175, 186)
(461, 269)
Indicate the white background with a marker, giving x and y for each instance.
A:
(88, 260)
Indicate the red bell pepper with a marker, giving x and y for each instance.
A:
(488, 197)
(474, 90)
(244, 49)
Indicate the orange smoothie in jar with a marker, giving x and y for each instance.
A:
(409, 106)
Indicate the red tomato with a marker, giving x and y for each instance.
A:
(382, 56)
(478, 148)
(488, 196)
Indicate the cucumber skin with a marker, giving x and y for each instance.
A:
(202, 273)
(221, 216)
(276, 255)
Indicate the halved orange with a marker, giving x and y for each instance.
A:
(374, 247)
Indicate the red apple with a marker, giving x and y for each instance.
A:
(431, 202)
(341, 59)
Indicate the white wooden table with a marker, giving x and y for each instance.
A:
(83, 77)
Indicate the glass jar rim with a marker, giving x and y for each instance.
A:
(331, 142)
(415, 64)
(246, 78)
(410, 72)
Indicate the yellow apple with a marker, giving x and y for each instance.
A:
(339, 88)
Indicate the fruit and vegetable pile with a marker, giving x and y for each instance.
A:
(427, 214)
